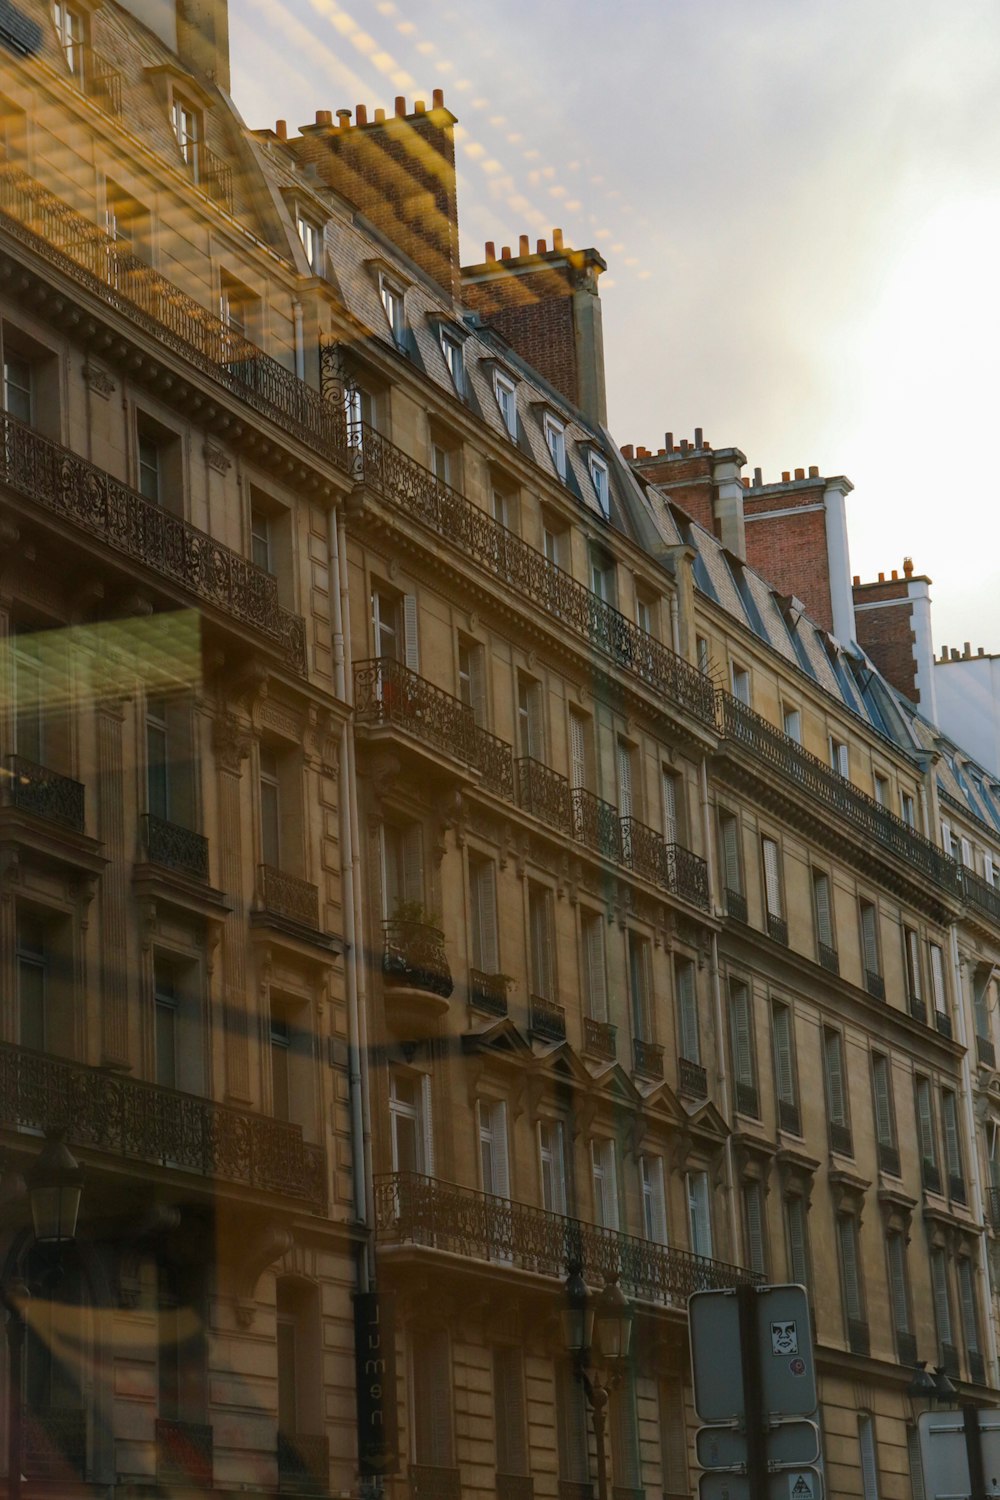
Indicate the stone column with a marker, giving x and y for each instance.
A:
(232, 740)
(113, 897)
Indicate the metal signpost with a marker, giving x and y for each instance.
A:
(763, 1443)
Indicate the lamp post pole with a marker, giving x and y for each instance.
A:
(612, 1313)
(15, 1358)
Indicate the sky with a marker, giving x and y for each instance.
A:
(799, 205)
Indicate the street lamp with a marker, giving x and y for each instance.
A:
(610, 1316)
(54, 1185)
(927, 1387)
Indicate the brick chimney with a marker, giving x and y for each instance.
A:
(893, 624)
(545, 303)
(797, 538)
(399, 171)
(705, 482)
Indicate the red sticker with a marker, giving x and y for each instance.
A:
(797, 1366)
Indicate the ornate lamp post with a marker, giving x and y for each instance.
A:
(54, 1185)
(927, 1387)
(610, 1316)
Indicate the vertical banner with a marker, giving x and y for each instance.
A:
(375, 1369)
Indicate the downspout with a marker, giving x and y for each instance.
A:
(675, 626)
(720, 1032)
(300, 352)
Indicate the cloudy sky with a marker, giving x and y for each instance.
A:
(798, 202)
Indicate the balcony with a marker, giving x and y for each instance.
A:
(942, 1023)
(986, 1053)
(416, 1210)
(918, 1009)
(930, 1175)
(55, 1444)
(303, 1464)
(888, 1158)
(101, 81)
(736, 905)
(596, 824)
(874, 984)
(858, 1336)
(599, 1039)
(692, 1079)
(874, 823)
(174, 847)
(950, 1362)
(417, 982)
(906, 1347)
(288, 898)
(108, 270)
(980, 895)
(123, 1117)
(77, 491)
(488, 992)
(420, 496)
(747, 1099)
(956, 1188)
(213, 175)
(43, 793)
(977, 1367)
(789, 1117)
(184, 1454)
(670, 866)
(431, 1483)
(544, 793)
(647, 1059)
(777, 929)
(840, 1138)
(829, 959)
(547, 1019)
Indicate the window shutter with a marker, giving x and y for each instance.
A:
(624, 780)
(967, 1296)
(699, 1213)
(413, 864)
(783, 1054)
(485, 948)
(571, 1427)
(410, 632)
(493, 1147)
(669, 808)
(847, 1234)
(937, 977)
(952, 1149)
(798, 1259)
(597, 984)
(427, 1125)
(967, 858)
(731, 851)
(946, 839)
(772, 877)
(673, 1438)
(942, 1306)
(577, 751)
(835, 1077)
(508, 1406)
(989, 869)
(917, 1486)
(754, 1210)
(625, 1462)
(913, 963)
(883, 1103)
(541, 948)
(653, 1199)
(739, 1011)
(824, 915)
(980, 1006)
(925, 1122)
(869, 1468)
(897, 1283)
(432, 1387)
(869, 937)
(536, 738)
(687, 1006)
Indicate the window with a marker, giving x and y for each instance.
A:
(237, 307)
(455, 360)
(555, 441)
(914, 981)
(392, 301)
(970, 1319)
(504, 507)
(602, 489)
(158, 463)
(555, 541)
(797, 1242)
(916, 1463)
(594, 967)
(885, 1122)
(552, 1165)
(30, 718)
(703, 654)
(874, 983)
(270, 807)
(907, 809)
(793, 724)
(181, 1350)
(982, 993)
(741, 1042)
(942, 1303)
(836, 1092)
(494, 1156)
(784, 1068)
(360, 409)
(165, 1006)
(654, 1199)
(580, 743)
(503, 389)
(530, 729)
(699, 1213)
(509, 1424)
(741, 683)
(311, 236)
(541, 940)
(71, 32)
(483, 893)
(754, 1227)
(626, 777)
(604, 1167)
(687, 1009)
(260, 540)
(866, 1448)
(572, 1427)
(602, 575)
(851, 1285)
(432, 1384)
(927, 1135)
(645, 612)
(410, 1123)
(128, 223)
(826, 947)
(777, 927)
(472, 677)
(33, 979)
(989, 868)
(952, 1146)
(443, 462)
(938, 990)
(899, 1298)
(881, 790)
(170, 788)
(673, 1441)
(394, 626)
(298, 1357)
(840, 757)
(732, 870)
(17, 387)
(187, 129)
(672, 789)
(149, 468)
(626, 1465)
(640, 986)
(402, 869)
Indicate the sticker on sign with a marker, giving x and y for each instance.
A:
(784, 1339)
(801, 1485)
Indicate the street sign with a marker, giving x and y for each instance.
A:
(788, 1443)
(787, 1364)
(787, 1484)
(945, 1457)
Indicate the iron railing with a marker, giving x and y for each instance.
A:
(101, 80)
(942, 1022)
(918, 1009)
(213, 174)
(174, 847)
(875, 984)
(956, 1188)
(54, 1443)
(993, 1207)
(596, 824)
(906, 1347)
(736, 905)
(747, 1099)
(789, 1117)
(828, 958)
(950, 1361)
(413, 1209)
(287, 896)
(44, 793)
(109, 270)
(144, 1122)
(888, 1158)
(183, 1453)
(977, 1367)
(978, 893)
(986, 1053)
(858, 1336)
(670, 866)
(488, 992)
(544, 793)
(303, 1463)
(742, 726)
(431, 1482)
(777, 929)
(840, 1138)
(77, 491)
(414, 955)
(515, 1487)
(599, 1039)
(647, 1058)
(692, 1078)
(547, 1018)
(930, 1175)
(391, 473)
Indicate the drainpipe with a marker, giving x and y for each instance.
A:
(675, 624)
(978, 1196)
(300, 351)
(720, 1030)
(354, 953)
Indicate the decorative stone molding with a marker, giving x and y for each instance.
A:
(99, 381)
(797, 1173)
(752, 1159)
(232, 739)
(260, 1249)
(848, 1191)
(897, 1211)
(217, 459)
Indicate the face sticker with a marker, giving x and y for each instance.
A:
(784, 1339)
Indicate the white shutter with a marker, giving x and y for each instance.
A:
(412, 656)
(654, 1205)
(967, 1297)
(798, 1259)
(952, 1149)
(946, 839)
(699, 1213)
(925, 1122)
(687, 1009)
(967, 858)
(669, 808)
(917, 1486)
(624, 780)
(884, 1133)
(869, 1467)
(824, 915)
(989, 869)
(848, 1236)
(942, 1304)
(980, 1006)
(937, 977)
(605, 1173)
(897, 1283)
(754, 1211)
(783, 1065)
(772, 877)
(869, 937)
(427, 1125)
(739, 1012)
(493, 1147)
(577, 750)
(485, 955)
(597, 984)
(731, 851)
(552, 1158)
(913, 963)
(835, 1077)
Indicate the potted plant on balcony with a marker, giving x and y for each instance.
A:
(414, 949)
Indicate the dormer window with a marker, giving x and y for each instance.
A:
(599, 479)
(187, 129)
(452, 351)
(555, 437)
(392, 301)
(503, 389)
(311, 236)
(71, 31)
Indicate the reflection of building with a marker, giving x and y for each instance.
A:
(433, 855)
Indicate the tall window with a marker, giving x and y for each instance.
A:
(17, 387)
(394, 626)
(71, 33)
(602, 575)
(970, 1319)
(604, 1167)
(826, 946)
(840, 757)
(755, 1227)
(626, 778)
(472, 678)
(942, 1306)
(149, 468)
(555, 540)
(874, 982)
(672, 794)
(784, 1068)
(685, 988)
(654, 1199)
(740, 678)
(640, 963)
(732, 868)
(279, 1045)
(503, 389)
(166, 1027)
(952, 1146)
(938, 991)
(311, 236)
(699, 1195)
(850, 1272)
(298, 1355)
(899, 1298)
(572, 1427)
(509, 1421)
(885, 1121)
(540, 926)
(455, 360)
(626, 1463)
(270, 807)
(555, 441)
(494, 1155)
(402, 870)
(594, 966)
(392, 301)
(602, 489)
(771, 855)
(797, 1241)
(836, 1092)
(33, 979)
(552, 1165)
(530, 727)
(673, 1441)
(29, 696)
(792, 719)
(169, 769)
(432, 1385)
(927, 1135)
(741, 1043)
(410, 1123)
(483, 893)
(261, 545)
(982, 986)
(579, 749)
(869, 1463)
(907, 809)
(188, 132)
(914, 979)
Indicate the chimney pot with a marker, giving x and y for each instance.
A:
(505, 253)
(954, 653)
(401, 104)
(361, 114)
(895, 576)
(908, 567)
(967, 651)
(800, 473)
(856, 580)
(541, 247)
(344, 117)
(758, 478)
(668, 438)
(813, 471)
(785, 476)
(981, 651)
(641, 452)
(438, 98)
(419, 107)
(697, 437)
(684, 445)
(324, 117)
(491, 250)
(380, 117)
(628, 451)
(281, 129)
(660, 452)
(557, 239)
(944, 653)
(745, 481)
(524, 245)
(881, 578)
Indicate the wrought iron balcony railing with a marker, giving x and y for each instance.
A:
(888, 1158)
(55, 1443)
(956, 1188)
(747, 1099)
(110, 271)
(942, 1022)
(418, 1210)
(777, 929)
(547, 1018)
(100, 79)
(789, 1117)
(287, 896)
(993, 1208)
(544, 793)
(44, 793)
(828, 958)
(488, 992)
(670, 866)
(414, 955)
(950, 1361)
(77, 491)
(986, 1053)
(303, 1463)
(395, 476)
(692, 1078)
(431, 1482)
(213, 174)
(980, 895)
(736, 905)
(977, 1367)
(183, 1454)
(906, 1347)
(515, 1487)
(918, 1009)
(596, 824)
(742, 726)
(143, 1122)
(599, 1039)
(840, 1138)
(647, 1058)
(174, 847)
(930, 1175)
(858, 1336)
(875, 984)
